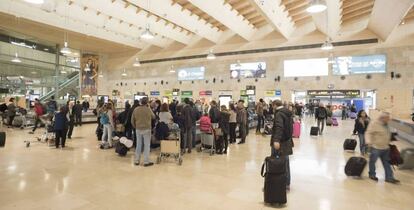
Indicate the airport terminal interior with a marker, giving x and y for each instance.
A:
(207, 104)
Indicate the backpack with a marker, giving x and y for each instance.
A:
(215, 115)
(162, 131)
(104, 118)
(322, 113)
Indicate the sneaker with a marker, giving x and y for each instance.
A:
(225, 152)
(374, 178)
(242, 142)
(31, 132)
(393, 181)
(136, 163)
(189, 151)
(148, 164)
(287, 187)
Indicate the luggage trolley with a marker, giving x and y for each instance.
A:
(48, 135)
(207, 143)
(171, 147)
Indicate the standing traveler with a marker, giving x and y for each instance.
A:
(71, 116)
(233, 123)
(187, 113)
(11, 111)
(85, 106)
(281, 140)
(224, 124)
(214, 114)
(344, 109)
(51, 106)
(60, 127)
(321, 115)
(130, 131)
(165, 115)
(353, 108)
(361, 125)
(242, 121)
(77, 111)
(299, 109)
(106, 120)
(311, 109)
(141, 121)
(260, 115)
(196, 116)
(122, 120)
(38, 109)
(378, 138)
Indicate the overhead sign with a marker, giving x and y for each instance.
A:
(366, 64)
(248, 70)
(192, 73)
(168, 93)
(154, 93)
(344, 93)
(187, 93)
(205, 93)
(278, 93)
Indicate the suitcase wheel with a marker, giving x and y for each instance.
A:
(212, 152)
(180, 161)
(198, 149)
(28, 144)
(158, 160)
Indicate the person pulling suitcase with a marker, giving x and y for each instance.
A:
(281, 147)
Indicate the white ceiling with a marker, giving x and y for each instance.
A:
(187, 22)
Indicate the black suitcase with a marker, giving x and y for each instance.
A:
(121, 149)
(2, 139)
(314, 131)
(274, 172)
(350, 144)
(354, 166)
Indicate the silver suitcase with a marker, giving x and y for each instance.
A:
(408, 157)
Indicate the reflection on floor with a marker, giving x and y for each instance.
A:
(85, 177)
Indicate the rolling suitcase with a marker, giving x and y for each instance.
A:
(274, 173)
(350, 144)
(353, 115)
(2, 139)
(314, 131)
(355, 166)
(408, 157)
(296, 130)
(121, 149)
(329, 121)
(335, 121)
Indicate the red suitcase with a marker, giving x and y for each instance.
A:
(296, 129)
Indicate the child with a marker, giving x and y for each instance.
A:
(60, 127)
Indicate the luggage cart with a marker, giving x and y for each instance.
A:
(48, 135)
(170, 148)
(207, 143)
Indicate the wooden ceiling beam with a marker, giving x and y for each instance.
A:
(295, 5)
(350, 3)
(356, 9)
(357, 12)
(355, 17)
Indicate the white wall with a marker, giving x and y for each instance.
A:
(394, 95)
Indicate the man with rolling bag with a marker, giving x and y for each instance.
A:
(276, 169)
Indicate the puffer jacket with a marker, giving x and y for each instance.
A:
(205, 124)
(282, 130)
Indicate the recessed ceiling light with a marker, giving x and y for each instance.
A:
(136, 63)
(327, 45)
(211, 55)
(16, 59)
(35, 1)
(147, 34)
(46, 49)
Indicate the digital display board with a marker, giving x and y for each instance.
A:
(366, 64)
(306, 67)
(248, 70)
(192, 73)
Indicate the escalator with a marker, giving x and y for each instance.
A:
(67, 84)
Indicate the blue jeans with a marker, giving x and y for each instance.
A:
(143, 139)
(107, 134)
(362, 145)
(287, 166)
(384, 155)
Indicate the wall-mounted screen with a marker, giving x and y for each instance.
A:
(366, 64)
(248, 70)
(306, 67)
(192, 73)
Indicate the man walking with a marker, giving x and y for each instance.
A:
(281, 141)
(378, 138)
(141, 121)
(188, 124)
(38, 109)
(260, 115)
(77, 111)
(321, 114)
(242, 121)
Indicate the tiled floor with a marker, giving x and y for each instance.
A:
(85, 177)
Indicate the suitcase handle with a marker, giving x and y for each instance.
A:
(262, 173)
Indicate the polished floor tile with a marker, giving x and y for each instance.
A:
(84, 177)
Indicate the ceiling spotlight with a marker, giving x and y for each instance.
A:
(403, 22)
(16, 59)
(327, 45)
(147, 34)
(35, 1)
(65, 50)
(316, 6)
(63, 71)
(124, 74)
(238, 65)
(172, 70)
(136, 63)
(34, 72)
(211, 55)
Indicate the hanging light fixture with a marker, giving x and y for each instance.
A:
(35, 1)
(172, 70)
(331, 58)
(136, 63)
(211, 55)
(238, 65)
(63, 71)
(16, 59)
(65, 50)
(316, 6)
(147, 34)
(327, 45)
(124, 74)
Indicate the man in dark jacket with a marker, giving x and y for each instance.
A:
(281, 140)
(196, 116)
(242, 121)
(214, 114)
(188, 124)
(77, 111)
(129, 131)
(321, 114)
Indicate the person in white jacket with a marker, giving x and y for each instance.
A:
(378, 138)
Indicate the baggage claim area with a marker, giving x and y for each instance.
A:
(218, 104)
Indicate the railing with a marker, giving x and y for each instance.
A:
(74, 77)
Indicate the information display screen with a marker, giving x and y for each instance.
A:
(366, 64)
(248, 70)
(192, 73)
(306, 67)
